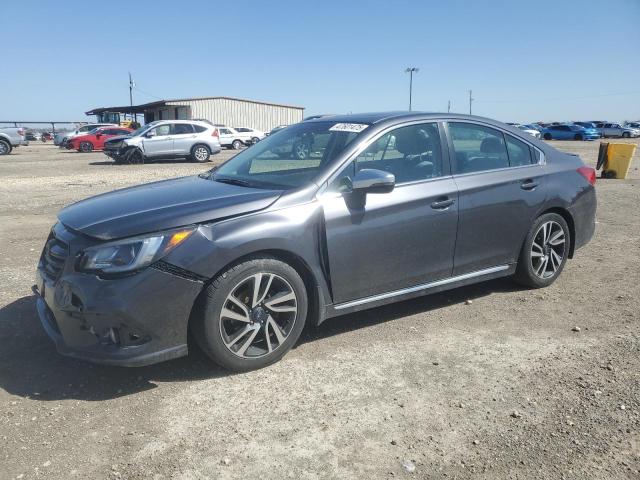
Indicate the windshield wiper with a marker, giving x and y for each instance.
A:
(233, 181)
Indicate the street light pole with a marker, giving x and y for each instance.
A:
(410, 71)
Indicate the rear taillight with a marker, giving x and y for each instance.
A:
(215, 133)
(21, 132)
(588, 173)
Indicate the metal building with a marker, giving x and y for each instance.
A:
(233, 112)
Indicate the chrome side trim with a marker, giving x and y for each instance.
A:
(417, 288)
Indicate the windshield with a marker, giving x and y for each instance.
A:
(289, 158)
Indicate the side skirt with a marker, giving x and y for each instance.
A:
(419, 290)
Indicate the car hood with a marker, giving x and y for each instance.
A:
(162, 205)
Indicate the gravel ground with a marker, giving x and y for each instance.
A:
(487, 381)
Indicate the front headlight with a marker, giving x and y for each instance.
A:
(131, 254)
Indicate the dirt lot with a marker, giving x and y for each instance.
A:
(488, 381)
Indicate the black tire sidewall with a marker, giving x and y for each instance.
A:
(207, 327)
(88, 147)
(238, 143)
(524, 271)
(8, 147)
(193, 153)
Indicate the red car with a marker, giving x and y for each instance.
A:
(95, 139)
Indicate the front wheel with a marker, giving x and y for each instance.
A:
(578, 137)
(626, 135)
(200, 153)
(547, 136)
(544, 252)
(236, 145)
(252, 314)
(135, 156)
(86, 147)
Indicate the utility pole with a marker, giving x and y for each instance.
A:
(449, 106)
(411, 71)
(131, 85)
(471, 99)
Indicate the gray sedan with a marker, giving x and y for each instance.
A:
(379, 208)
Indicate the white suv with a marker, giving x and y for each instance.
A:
(236, 138)
(191, 139)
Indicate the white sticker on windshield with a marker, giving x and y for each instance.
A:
(348, 127)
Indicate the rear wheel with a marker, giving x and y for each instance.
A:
(626, 134)
(255, 140)
(5, 147)
(86, 147)
(200, 153)
(252, 314)
(236, 145)
(547, 136)
(544, 252)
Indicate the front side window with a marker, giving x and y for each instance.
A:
(162, 130)
(477, 148)
(290, 158)
(411, 153)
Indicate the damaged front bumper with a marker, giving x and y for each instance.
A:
(136, 320)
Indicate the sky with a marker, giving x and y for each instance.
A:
(524, 60)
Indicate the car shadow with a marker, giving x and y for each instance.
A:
(31, 368)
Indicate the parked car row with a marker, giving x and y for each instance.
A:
(590, 130)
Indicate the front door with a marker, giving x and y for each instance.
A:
(501, 189)
(160, 142)
(399, 239)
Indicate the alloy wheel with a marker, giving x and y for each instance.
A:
(4, 148)
(201, 154)
(258, 315)
(548, 249)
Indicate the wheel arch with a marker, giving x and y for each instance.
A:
(315, 310)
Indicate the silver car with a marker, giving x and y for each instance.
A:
(166, 139)
(616, 130)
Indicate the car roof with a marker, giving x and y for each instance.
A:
(379, 117)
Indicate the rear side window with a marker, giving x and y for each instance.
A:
(477, 148)
(519, 152)
(199, 128)
(182, 128)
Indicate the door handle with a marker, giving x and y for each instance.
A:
(528, 185)
(442, 203)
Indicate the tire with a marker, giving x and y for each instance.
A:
(255, 140)
(135, 156)
(221, 337)
(5, 147)
(236, 144)
(547, 136)
(532, 271)
(626, 135)
(200, 153)
(86, 147)
(578, 137)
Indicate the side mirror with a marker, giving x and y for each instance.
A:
(150, 134)
(370, 180)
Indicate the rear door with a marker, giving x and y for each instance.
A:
(399, 239)
(501, 188)
(183, 138)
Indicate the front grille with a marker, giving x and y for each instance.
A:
(54, 256)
